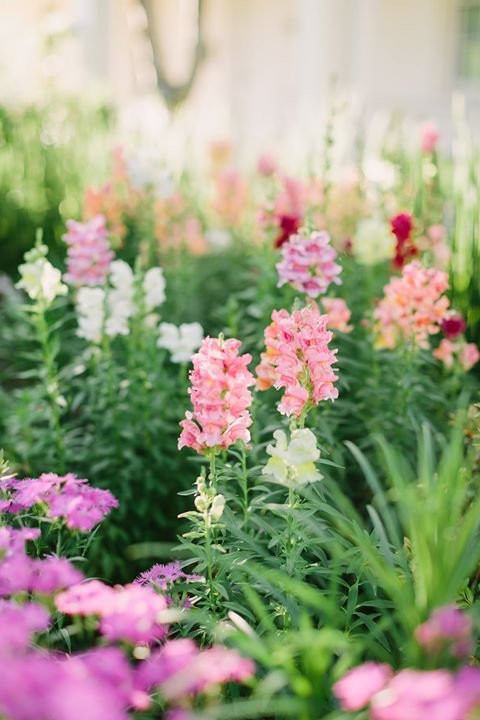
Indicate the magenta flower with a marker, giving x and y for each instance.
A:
(298, 359)
(89, 255)
(355, 690)
(65, 496)
(308, 263)
(181, 669)
(448, 628)
(163, 576)
(419, 695)
(18, 623)
(220, 397)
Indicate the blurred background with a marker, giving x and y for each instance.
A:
(168, 78)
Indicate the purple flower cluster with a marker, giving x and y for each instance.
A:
(64, 496)
(21, 573)
(164, 576)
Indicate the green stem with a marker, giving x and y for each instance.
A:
(51, 378)
(245, 486)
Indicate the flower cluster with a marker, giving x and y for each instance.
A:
(208, 502)
(412, 694)
(132, 613)
(109, 309)
(466, 354)
(180, 669)
(41, 281)
(181, 341)
(372, 243)
(292, 463)
(88, 255)
(405, 248)
(164, 576)
(448, 628)
(21, 573)
(220, 397)
(308, 263)
(413, 307)
(298, 359)
(64, 496)
(338, 314)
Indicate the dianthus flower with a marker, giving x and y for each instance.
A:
(355, 689)
(220, 397)
(65, 496)
(163, 576)
(18, 623)
(180, 669)
(338, 314)
(298, 359)
(405, 249)
(308, 263)
(413, 307)
(89, 255)
(448, 628)
(132, 613)
(21, 573)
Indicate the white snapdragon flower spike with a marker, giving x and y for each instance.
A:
(218, 238)
(120, 299)
(154, 288)
(91, 313)
(293, 463)
(180, 341)
(41, 281)
(372, 242)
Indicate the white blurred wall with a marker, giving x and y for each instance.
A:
(267, 78)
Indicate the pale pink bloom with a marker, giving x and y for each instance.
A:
(469, 355)
(441, 252)
(430, 136)
(355, 689)
(448, 628)
(231, 195)
(266, 165)
(220, 397)
(338, 314)
(446, 352)
(412, 308)
(89, 255)
(291, 201)
(308, 263)
(298, 359)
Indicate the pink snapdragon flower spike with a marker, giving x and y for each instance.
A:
(131, 613)
(466, 355)
(298, 359)
(88, 255)
(412, 308)
(355, 690)
(220, 397)
(308, 264)
(430, 137)
(448, 628)
(338, 314)
(64, 496)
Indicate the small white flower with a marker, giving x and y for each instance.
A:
(91, 313)
(154, 288)
(293, 463)
(372, 242)
(180, 341)
(218, 506)
(40, 280)
(218, 238)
